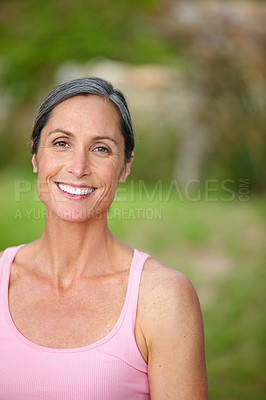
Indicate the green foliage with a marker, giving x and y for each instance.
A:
(235, 114)
(154, 156)
(36, 37)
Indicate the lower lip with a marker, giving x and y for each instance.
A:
(75, 196)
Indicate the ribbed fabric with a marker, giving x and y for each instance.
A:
(110, 369)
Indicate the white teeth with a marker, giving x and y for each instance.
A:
(75, 191)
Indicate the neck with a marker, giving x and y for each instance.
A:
(68, 250)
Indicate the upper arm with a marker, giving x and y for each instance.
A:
(1, 253)
(175, 341)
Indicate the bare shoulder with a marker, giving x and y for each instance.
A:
(166, 286)
(168, 302)
(171, 323)
(24, 251)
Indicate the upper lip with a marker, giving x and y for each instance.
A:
(74, 185)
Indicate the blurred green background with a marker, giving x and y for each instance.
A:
(194, 74)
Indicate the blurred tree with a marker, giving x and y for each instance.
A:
(36, 37)
(224, 45)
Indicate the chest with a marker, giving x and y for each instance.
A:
(76, 318)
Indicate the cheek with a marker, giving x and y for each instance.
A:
(47, 168)
(108, 170)
(48, 165)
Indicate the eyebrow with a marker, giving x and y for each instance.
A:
(67, 133)
(70, 134)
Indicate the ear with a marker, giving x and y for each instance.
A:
(126, 170)
(34, 163)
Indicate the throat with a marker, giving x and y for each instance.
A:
(68, 255)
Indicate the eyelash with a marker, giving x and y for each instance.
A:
(99, 149)
(103, 149)
(60, 142)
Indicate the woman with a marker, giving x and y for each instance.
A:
(82, 315)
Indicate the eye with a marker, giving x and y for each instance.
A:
(61, 143)
(102, 149)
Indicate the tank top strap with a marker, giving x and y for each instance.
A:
(6, 262)
(138, 262)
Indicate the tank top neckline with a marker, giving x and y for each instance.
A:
(100, 342)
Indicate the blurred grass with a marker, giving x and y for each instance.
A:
(219, 245)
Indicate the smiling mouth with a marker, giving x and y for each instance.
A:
(75, 191)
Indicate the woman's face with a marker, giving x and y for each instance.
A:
(80, 158)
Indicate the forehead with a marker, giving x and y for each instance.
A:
(86, 110)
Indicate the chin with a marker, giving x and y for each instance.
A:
(73, 215)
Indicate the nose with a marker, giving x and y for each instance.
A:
(79, 163)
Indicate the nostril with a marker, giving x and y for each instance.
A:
(79, 166)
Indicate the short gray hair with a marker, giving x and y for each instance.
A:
(85, 86)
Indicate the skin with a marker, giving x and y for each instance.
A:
(76, 274)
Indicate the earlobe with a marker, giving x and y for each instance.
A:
(126, 169)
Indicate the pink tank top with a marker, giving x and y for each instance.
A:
(110, 369)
